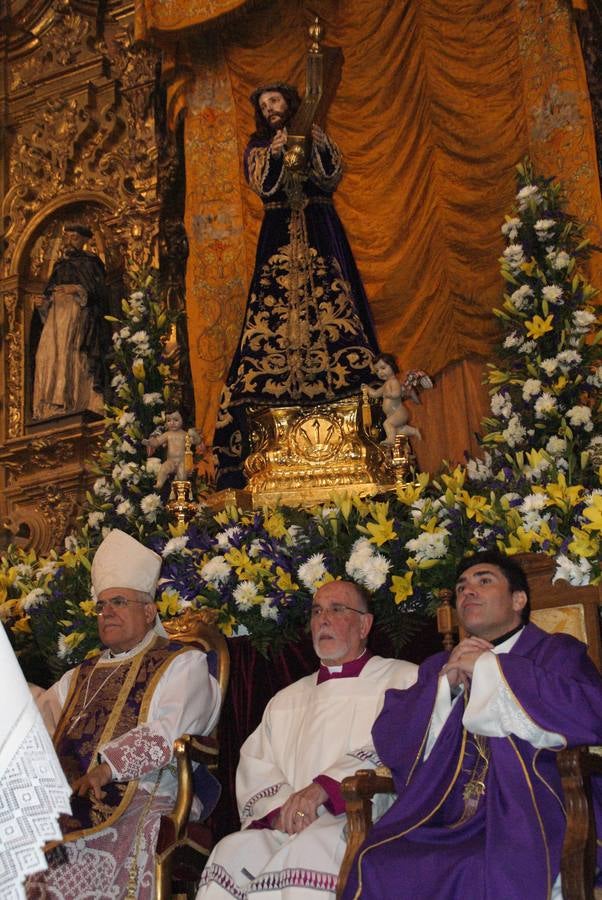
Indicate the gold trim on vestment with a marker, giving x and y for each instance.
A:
(418, 824)
(124, 690)
(539, 819)
(424, 739)
(543, 780)
(132, 786)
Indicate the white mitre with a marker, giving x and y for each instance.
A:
(123, 562)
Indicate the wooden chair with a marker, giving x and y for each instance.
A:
(557, 607)
(183, 846)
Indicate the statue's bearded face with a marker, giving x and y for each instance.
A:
(74, 240)
(274, 109)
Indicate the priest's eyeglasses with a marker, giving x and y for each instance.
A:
(116, 603)
(336, 610)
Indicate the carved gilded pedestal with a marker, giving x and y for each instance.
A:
(302, 455)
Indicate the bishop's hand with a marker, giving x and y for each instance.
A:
(93, 782)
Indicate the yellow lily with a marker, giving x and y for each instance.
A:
(535, 458)
(226, 516)
(537, 327)
(178, 529)
(455, 481)
(71, 558)
(169, 604)
(74, 639)
(275, 525)
(401, 587)
(561, 494)
(584, 544)
(594, 514)
(226, 622)
(344, 503)
(529, 267)
(284, 580)
(409, 493)
(382, 530)
(495, 376)
(243, 565)
(326, 579)
(431, 526)
(475, 506)
(521, 541)
(88, 607)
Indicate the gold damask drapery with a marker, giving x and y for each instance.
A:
(437, 103)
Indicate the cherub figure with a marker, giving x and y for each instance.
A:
(393, 392)
(174, 437)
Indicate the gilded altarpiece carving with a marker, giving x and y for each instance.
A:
(80, 141)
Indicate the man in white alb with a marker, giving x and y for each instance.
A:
(313, 734)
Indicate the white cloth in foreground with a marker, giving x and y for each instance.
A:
(308, 730)
(33, 789)
(186, 699)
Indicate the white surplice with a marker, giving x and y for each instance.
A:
(307, 730)
(186, 699)
(33, 789)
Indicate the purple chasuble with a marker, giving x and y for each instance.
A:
(425, 847)
(104, 703)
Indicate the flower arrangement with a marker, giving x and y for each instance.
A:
(536, 489)
(124, 494)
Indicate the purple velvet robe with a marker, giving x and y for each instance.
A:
(511, 847)
(307, 335)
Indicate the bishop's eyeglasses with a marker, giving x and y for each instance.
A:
(116, 602)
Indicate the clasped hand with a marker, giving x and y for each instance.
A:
(305, 801)
(460, 665)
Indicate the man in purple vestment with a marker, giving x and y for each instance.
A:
(307, 335)
(472, 746)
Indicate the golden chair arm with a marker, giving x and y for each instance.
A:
(187, 749)
(358, 791)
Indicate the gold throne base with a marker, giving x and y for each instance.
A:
(300, 455)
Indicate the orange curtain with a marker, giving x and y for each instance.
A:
(437, 103)
(160, 17)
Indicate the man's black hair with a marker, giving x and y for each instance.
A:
(290, 94)
(511, 569)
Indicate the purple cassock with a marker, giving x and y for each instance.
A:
(507, 845)
(307, 335)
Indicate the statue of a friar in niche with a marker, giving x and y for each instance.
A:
(70, 368)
